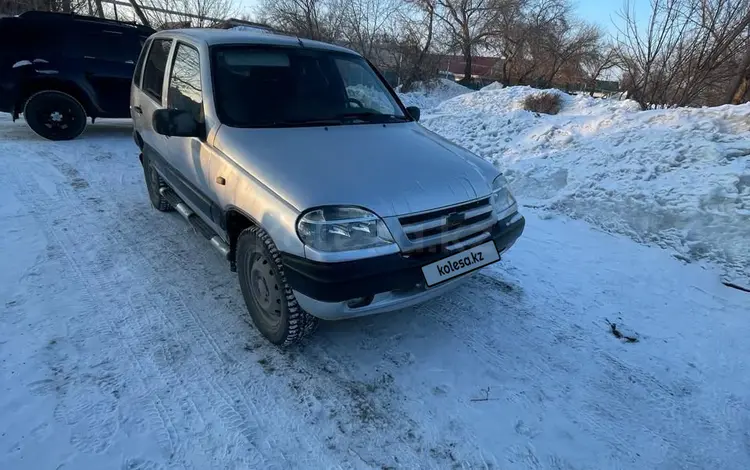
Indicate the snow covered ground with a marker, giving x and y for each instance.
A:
(431, 97)
(124, 344)
(678, 178)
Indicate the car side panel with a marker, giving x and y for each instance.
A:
(142, 101)
(244, 193)
(109, 81)
(197, 199)
(190, 156)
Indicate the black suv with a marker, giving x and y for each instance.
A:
(59, 68)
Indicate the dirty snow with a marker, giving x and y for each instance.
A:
(676, 178)
(124, 344)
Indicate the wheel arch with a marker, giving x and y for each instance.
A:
(234, 221)
(53, 84)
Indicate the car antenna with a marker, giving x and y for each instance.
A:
(301, 44)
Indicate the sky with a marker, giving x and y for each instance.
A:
(601, 12)
(605, 12)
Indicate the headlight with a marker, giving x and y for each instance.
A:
(501, 198)
(342, 229)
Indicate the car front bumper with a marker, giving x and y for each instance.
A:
(335, 291)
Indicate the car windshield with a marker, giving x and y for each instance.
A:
(289, 87)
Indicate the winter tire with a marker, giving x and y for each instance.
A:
(269, 299)
(55, 115)
(154, 182)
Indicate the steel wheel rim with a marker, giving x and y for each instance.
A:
(265, 289)
(56, 117)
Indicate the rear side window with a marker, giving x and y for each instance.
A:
(184, 90)
(114, 46)
(156, 65)
(139, 65)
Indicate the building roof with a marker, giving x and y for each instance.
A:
(212, 37)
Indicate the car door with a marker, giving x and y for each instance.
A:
(149, 97)
(136, 113)
(189, 155)
(109, 60)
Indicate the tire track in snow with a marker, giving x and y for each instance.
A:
(168, 435)
(339, 391)
(138, 233)
(198, 329)
(164, 429)
(234, 413)
(347, 393)
(98, 269)
(343, 396)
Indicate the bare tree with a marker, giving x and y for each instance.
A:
(567, 45)
(688, 53)
(734, 93)
(470, 24)
(415, 43)
(197, 13)
(596, 63)
(367, 23)
(510, 43)
(138, 11)
(314, 19)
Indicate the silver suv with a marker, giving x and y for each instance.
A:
(298, 162)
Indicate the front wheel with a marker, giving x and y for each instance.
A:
(269, 299)
(55, 115)
(153, 184)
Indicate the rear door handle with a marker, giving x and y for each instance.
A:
(137, 109)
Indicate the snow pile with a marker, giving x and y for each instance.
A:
(427, 97)
(494, 100)
(493, 86)
(677, 178)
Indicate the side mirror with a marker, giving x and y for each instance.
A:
(176, 123)
(414, 112)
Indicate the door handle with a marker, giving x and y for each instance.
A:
(137, 109)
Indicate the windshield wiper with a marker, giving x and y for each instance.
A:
(369, 116)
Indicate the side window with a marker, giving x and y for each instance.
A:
(185, 82)
(114, 46)
(139, 65)
(156, 65)
(362, 85)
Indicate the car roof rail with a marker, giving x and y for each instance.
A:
(35, 14)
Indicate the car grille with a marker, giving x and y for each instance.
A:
(448, 224)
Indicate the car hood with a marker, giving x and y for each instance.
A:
(391, 169)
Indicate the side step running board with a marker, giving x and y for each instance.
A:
(195, 220)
